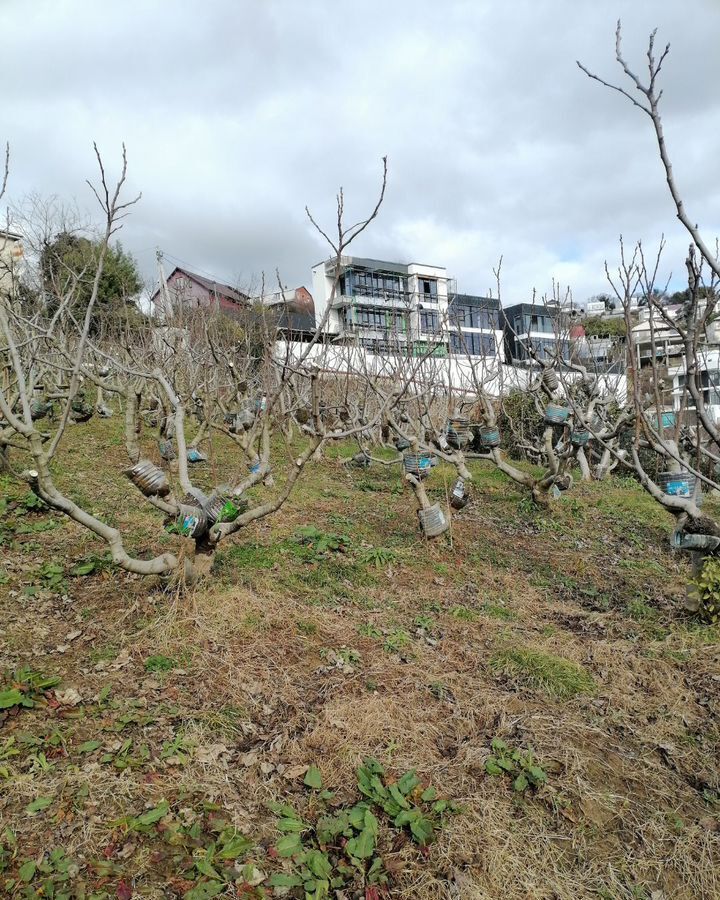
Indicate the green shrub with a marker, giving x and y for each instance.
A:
(708, 591)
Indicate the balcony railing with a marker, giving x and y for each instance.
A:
(661, 351)
(372, 331)
(387, 300)
(391, 296)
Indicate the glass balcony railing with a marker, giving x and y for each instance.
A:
(389, 296)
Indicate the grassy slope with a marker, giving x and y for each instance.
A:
(559, 631)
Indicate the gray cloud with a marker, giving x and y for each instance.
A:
(237, 113)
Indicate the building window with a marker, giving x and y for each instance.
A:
(548, 347)
(369, 317)
(429, 321)
(466, 315)
(378, 319)
(485, 318)
(534, 323)
(427, 288)
(704, 380)
(369, 283)
(397, 322)
(472, 343)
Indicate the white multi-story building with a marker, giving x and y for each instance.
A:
(11, 252)
(388, 307)
(654, 338)
(656, 343)
(610, 308)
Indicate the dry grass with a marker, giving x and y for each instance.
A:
(587, 659)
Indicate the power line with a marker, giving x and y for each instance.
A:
(193, 268)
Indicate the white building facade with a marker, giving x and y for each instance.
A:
(657, 344)
(11, 254)
(388, 307)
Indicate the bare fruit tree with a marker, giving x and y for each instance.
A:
(646, 95)
(189, 375)
(648, 101)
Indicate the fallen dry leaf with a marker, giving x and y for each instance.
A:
(68, 697)
(121, 660)
(212, 753)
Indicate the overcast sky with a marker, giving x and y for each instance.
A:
(237, 113)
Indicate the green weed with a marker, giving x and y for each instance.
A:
(424, 623)
(396, 641)
(159, 663)
(322, 541)
(337, 850)
(24, 688)
(640, 611)
(378, 557)
(517, 764)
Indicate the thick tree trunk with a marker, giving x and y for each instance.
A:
(584, 466)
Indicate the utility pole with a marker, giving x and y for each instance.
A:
(165, 304)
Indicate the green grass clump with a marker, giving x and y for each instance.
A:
(159, 663)
(463, 613)
(542, 671)
(640, 611)
(497, 611)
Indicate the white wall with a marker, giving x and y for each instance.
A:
(322, 285)
(464, 373)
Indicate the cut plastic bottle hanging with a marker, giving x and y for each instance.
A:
(151, 480)
(433, 520)
(459, 496)
(167, 451)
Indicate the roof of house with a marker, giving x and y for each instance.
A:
(377, 265)
(298, 313)
(295, 321)
(542, 309)
(475, 300)
(214, 287)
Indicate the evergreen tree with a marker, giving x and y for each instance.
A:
(68, 257)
